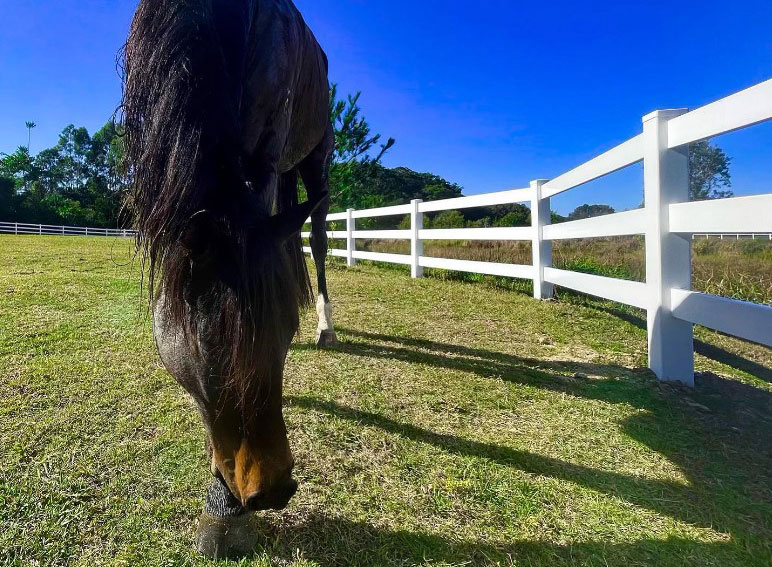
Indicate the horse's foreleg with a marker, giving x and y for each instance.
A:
(224, 529)
(314, 171)
(325, 331)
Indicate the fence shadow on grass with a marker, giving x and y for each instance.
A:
(335, 542)
(724, 454)
(707, 350)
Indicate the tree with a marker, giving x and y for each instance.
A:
(448, 219)
(513, 214)
(19, 166)
(353, 143)
(8, 199)
(438, 189)
(556, 218)
(357, 178)
(400, 184)
(30, 125)
(588, 211)
(708, 172)
(78, 181)
(518, 215)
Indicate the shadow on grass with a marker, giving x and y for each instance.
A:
(331, 541)
(723, 450)
(700, 347)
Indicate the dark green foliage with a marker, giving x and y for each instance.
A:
(76, 182)
(556, 218)
(709, 176)
(353, 139)
(357, 178)
(375, 185)
(513, 219)
(351, 159)
(513, 214)
(8, 198)
(448, 219)
(589, 211)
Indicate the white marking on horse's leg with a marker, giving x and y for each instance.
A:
(324, 310)
(325, 332)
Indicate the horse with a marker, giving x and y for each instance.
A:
(225, 104)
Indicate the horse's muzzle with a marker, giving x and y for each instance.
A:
(277, 499)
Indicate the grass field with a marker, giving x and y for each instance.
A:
(456, 424)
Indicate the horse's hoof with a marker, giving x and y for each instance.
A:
(326, 338)
(225, 538)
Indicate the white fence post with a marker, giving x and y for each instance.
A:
(350, 242)
(542, 249)
(16, 228)
(668, 255)
(416, 244)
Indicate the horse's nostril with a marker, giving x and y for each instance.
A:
(292, 488)
(276, 499)
(255, 501)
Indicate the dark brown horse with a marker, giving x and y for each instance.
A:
(225, 103)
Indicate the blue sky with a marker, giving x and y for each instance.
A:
(488, 94)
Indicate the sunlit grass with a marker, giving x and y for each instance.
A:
(456, 424)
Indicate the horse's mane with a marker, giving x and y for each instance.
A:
(183, 66)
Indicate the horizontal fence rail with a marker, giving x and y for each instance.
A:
(667, 222)
(733, 215)
(625, 154)
(52, 230)
(484, 200)
(736, 236)
(617, 224)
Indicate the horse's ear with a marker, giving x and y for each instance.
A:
(288, 223)
(198, 234)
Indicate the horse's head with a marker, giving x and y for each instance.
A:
(254, 459)
(239, 314)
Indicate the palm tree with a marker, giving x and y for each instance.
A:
(30, 125)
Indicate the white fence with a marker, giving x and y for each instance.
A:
(46, 229)
(741, 236)
(668, 222)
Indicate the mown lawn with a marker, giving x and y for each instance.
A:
(456, 424)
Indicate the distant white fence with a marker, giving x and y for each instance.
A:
(743, 236)
(668, 222)
(51, 230)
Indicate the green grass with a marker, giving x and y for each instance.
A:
(456, 424)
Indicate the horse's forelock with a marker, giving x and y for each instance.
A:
(246, 322)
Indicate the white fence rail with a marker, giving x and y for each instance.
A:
(668, 222)
(51, 230)
(737, 236)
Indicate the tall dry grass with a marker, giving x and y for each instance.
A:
(737, 269)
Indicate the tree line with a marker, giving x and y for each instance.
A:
(81, 181)
(76, 182)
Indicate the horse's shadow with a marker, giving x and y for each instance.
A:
(724, 454)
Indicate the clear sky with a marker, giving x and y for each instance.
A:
(489, 94)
